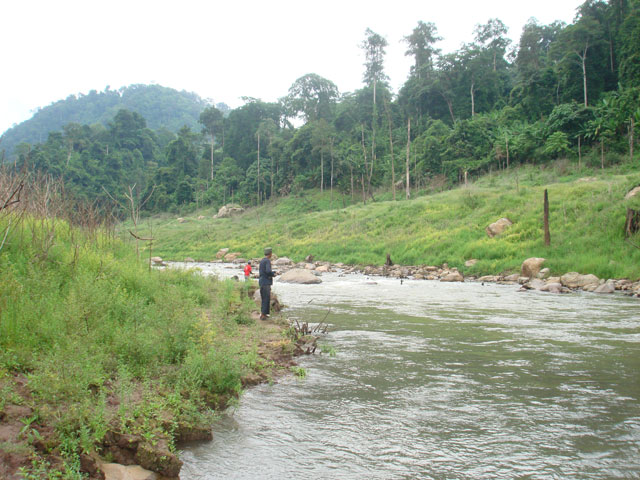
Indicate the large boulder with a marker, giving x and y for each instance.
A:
(298, 275)
(222, 252)
(531, 267)
(282, 261)
(608, 287)
(230, 257)
(452, 277)
(497, 227)
(553, 287)
(577, 280)
(229, 210)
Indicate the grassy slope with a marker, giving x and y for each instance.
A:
(86, 326)
(587, 215)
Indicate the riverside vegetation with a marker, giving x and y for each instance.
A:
(101, 356)
(587, 217)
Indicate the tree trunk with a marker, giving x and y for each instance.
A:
(393, 169)
(507, 144)
(583, 60)
(547, 234)
(352, 191)
(473, 100)
(408, 188)
(450, 105)
(632, 223)
(364, 195)
(579, 152)
(212, 140)
(258, 169)
(331, 179)
(602, 153)
(631, 129)
(322, 168)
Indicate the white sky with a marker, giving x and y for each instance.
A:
(222, 49)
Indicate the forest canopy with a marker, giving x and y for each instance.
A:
(564, 90)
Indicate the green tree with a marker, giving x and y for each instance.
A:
(312, 96)
(211, 119)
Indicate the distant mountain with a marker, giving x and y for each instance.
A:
(160, 106)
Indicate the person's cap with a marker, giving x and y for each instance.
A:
(267, 251)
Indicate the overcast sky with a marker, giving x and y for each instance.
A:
(222, 50)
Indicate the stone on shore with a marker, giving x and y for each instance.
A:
(298, 275)
(512, 278)
(222, 252)
(497, 227)
(282, 262)
(230, 257)
(531, 266)
(229, 210)
(471, 262)
(577, 280)
(452, 277)
(323, 268)
(608, 287)
(157, 260)
(115, 471)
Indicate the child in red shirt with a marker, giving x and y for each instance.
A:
(247, 272)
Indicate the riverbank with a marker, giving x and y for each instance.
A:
(587, 219)
(103, 360)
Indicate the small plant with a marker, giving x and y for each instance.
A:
(299, 372)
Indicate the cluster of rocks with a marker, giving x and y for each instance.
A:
(532, 275)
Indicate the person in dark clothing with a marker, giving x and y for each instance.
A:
(265, 281)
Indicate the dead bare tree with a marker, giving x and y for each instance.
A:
(133, 207)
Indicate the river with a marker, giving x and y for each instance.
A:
(442, 381)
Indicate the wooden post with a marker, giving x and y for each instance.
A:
(547, 235)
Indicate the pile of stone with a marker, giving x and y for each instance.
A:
(531, 277)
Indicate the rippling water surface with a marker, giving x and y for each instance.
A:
(443, 381)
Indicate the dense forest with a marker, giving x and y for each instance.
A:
(564, 91)
(162, 107)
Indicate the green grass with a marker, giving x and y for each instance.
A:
(84, 321)
(587, 215)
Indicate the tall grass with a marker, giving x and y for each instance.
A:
(84, 321)
(587, 215)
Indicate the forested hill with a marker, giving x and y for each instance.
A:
(568, 92)
(162, 107)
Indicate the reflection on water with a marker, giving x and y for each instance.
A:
(438, 380)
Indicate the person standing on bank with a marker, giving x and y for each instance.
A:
(265, 281)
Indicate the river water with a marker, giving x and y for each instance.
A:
(442, 381)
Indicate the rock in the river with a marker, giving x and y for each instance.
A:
(157, 261)
(535, 284)
(497, 227)
(531, 266)
(553, 288)
(577, 280)
(323, 268)
(298, 275)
